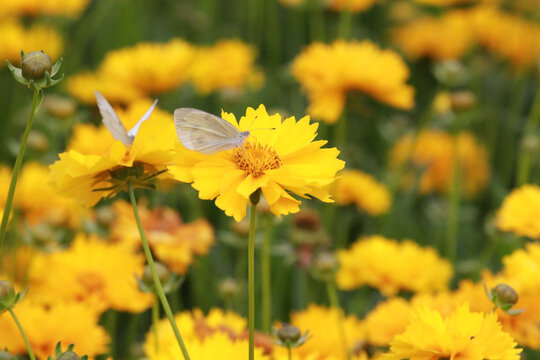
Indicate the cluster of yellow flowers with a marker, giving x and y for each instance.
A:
(456, 32)
(433, 152)
(519, 212)
(16, 37)
(68, 8)
(132, 73)
(327, 72)
(392, 266)
(356, 187)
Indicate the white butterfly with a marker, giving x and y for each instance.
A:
(206, 133)
(114, 125)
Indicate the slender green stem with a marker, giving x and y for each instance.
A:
(334, 303)
(525, 156)
(289, 351)
(251, 281)
(345, 23)
(16, 169)
(454, 200)
(110, 321)
(315, 16)
(155, 320)
(266, 277)
(23, 334)
(132, 333)
(159, 288)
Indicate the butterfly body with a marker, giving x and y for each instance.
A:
(206, 133)
(114, 125)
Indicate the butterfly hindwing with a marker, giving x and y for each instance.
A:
(111, 120)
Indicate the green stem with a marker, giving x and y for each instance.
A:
(155, 320)
(334, 303)
(251, 281)
(132, 333)
(525, 156)
(454, 200)
(16, 169)
(315, 15)
(159, 289)
(289, 351)
(23, 334)
(345, 22)
(266, 278)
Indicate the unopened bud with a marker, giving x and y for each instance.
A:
(35, 64)
(506, 295)
(38, 141)
(326, 263)
(451, 73)
(288, 333)
(6, 356)
(255, 197)
(69, 355)
(241, 228)
(308, 220)
(104, 215)
(7, 291)
(162, 272)
(229, 288)
(463, 100)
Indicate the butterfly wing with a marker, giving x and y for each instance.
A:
(111, 120)
(133, 131)
(203, 132)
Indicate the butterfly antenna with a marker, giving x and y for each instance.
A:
(252, 121)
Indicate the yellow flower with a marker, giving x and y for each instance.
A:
(16, 37)
(520, 212)
(277, 161)
(351, 5)
(523, 267)
(82, 175)
(173, 242)
(218, 335)
(227, 65)
(447, 37)
(391, 266)
(92, 272)
(353, 186)
(462, 335)
(131, 73)
(327, 72)
(324, 333)
(68, 8)
(433, 152)
(69, 323)
(387, 320)
(39, 203)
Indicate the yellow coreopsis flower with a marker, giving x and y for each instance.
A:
(69, 8)
(89, 177)
(92, 272)
(174, 243)
(522, 267)
(277, 161)
(433, 152)
(70, 323)
(462, 335)
(82, 86)
(356, 187)
(391, 266)
(227, 65)
(328, 72)
(15, 37)
(520, 212)
(387, 320)
(447, 37)
(325, 339)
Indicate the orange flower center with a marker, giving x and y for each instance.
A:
(255, 159)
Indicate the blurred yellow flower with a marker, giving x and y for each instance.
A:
(387, 320)
(392, 266)
(92, 272)
(131, 73)
(324, 333)
(463, 335)
(218, 335)
(15, 37)
(70, 323)
(357, 187)
(278, 161)
(327, 72)
(523, 267)
(68, 8)
(432, 152)
(81, 175)
(227, 65)
(447, 37)
(173, 242)
(520, 212)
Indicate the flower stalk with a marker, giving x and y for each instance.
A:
(266, 278)
(334, 303)
(159, 288)
(17, 168)
(251, 280)
(23, 334)
(155, 319)
(525, 156)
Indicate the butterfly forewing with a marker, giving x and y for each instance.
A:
(205, 133)
(111, 120)
(133, 131)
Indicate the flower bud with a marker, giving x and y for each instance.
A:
(38, 141)
(69, 355)
(255, 197)
(4, 355)
(451, 73)
(240, 228)
(35, 64)
(7, 292)
(506, 295)
(326, 262)
(463, 100)
(531, 143)
(105, 215)
(162, 272)
(308, 220)
(229, 288)
(288, 333)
